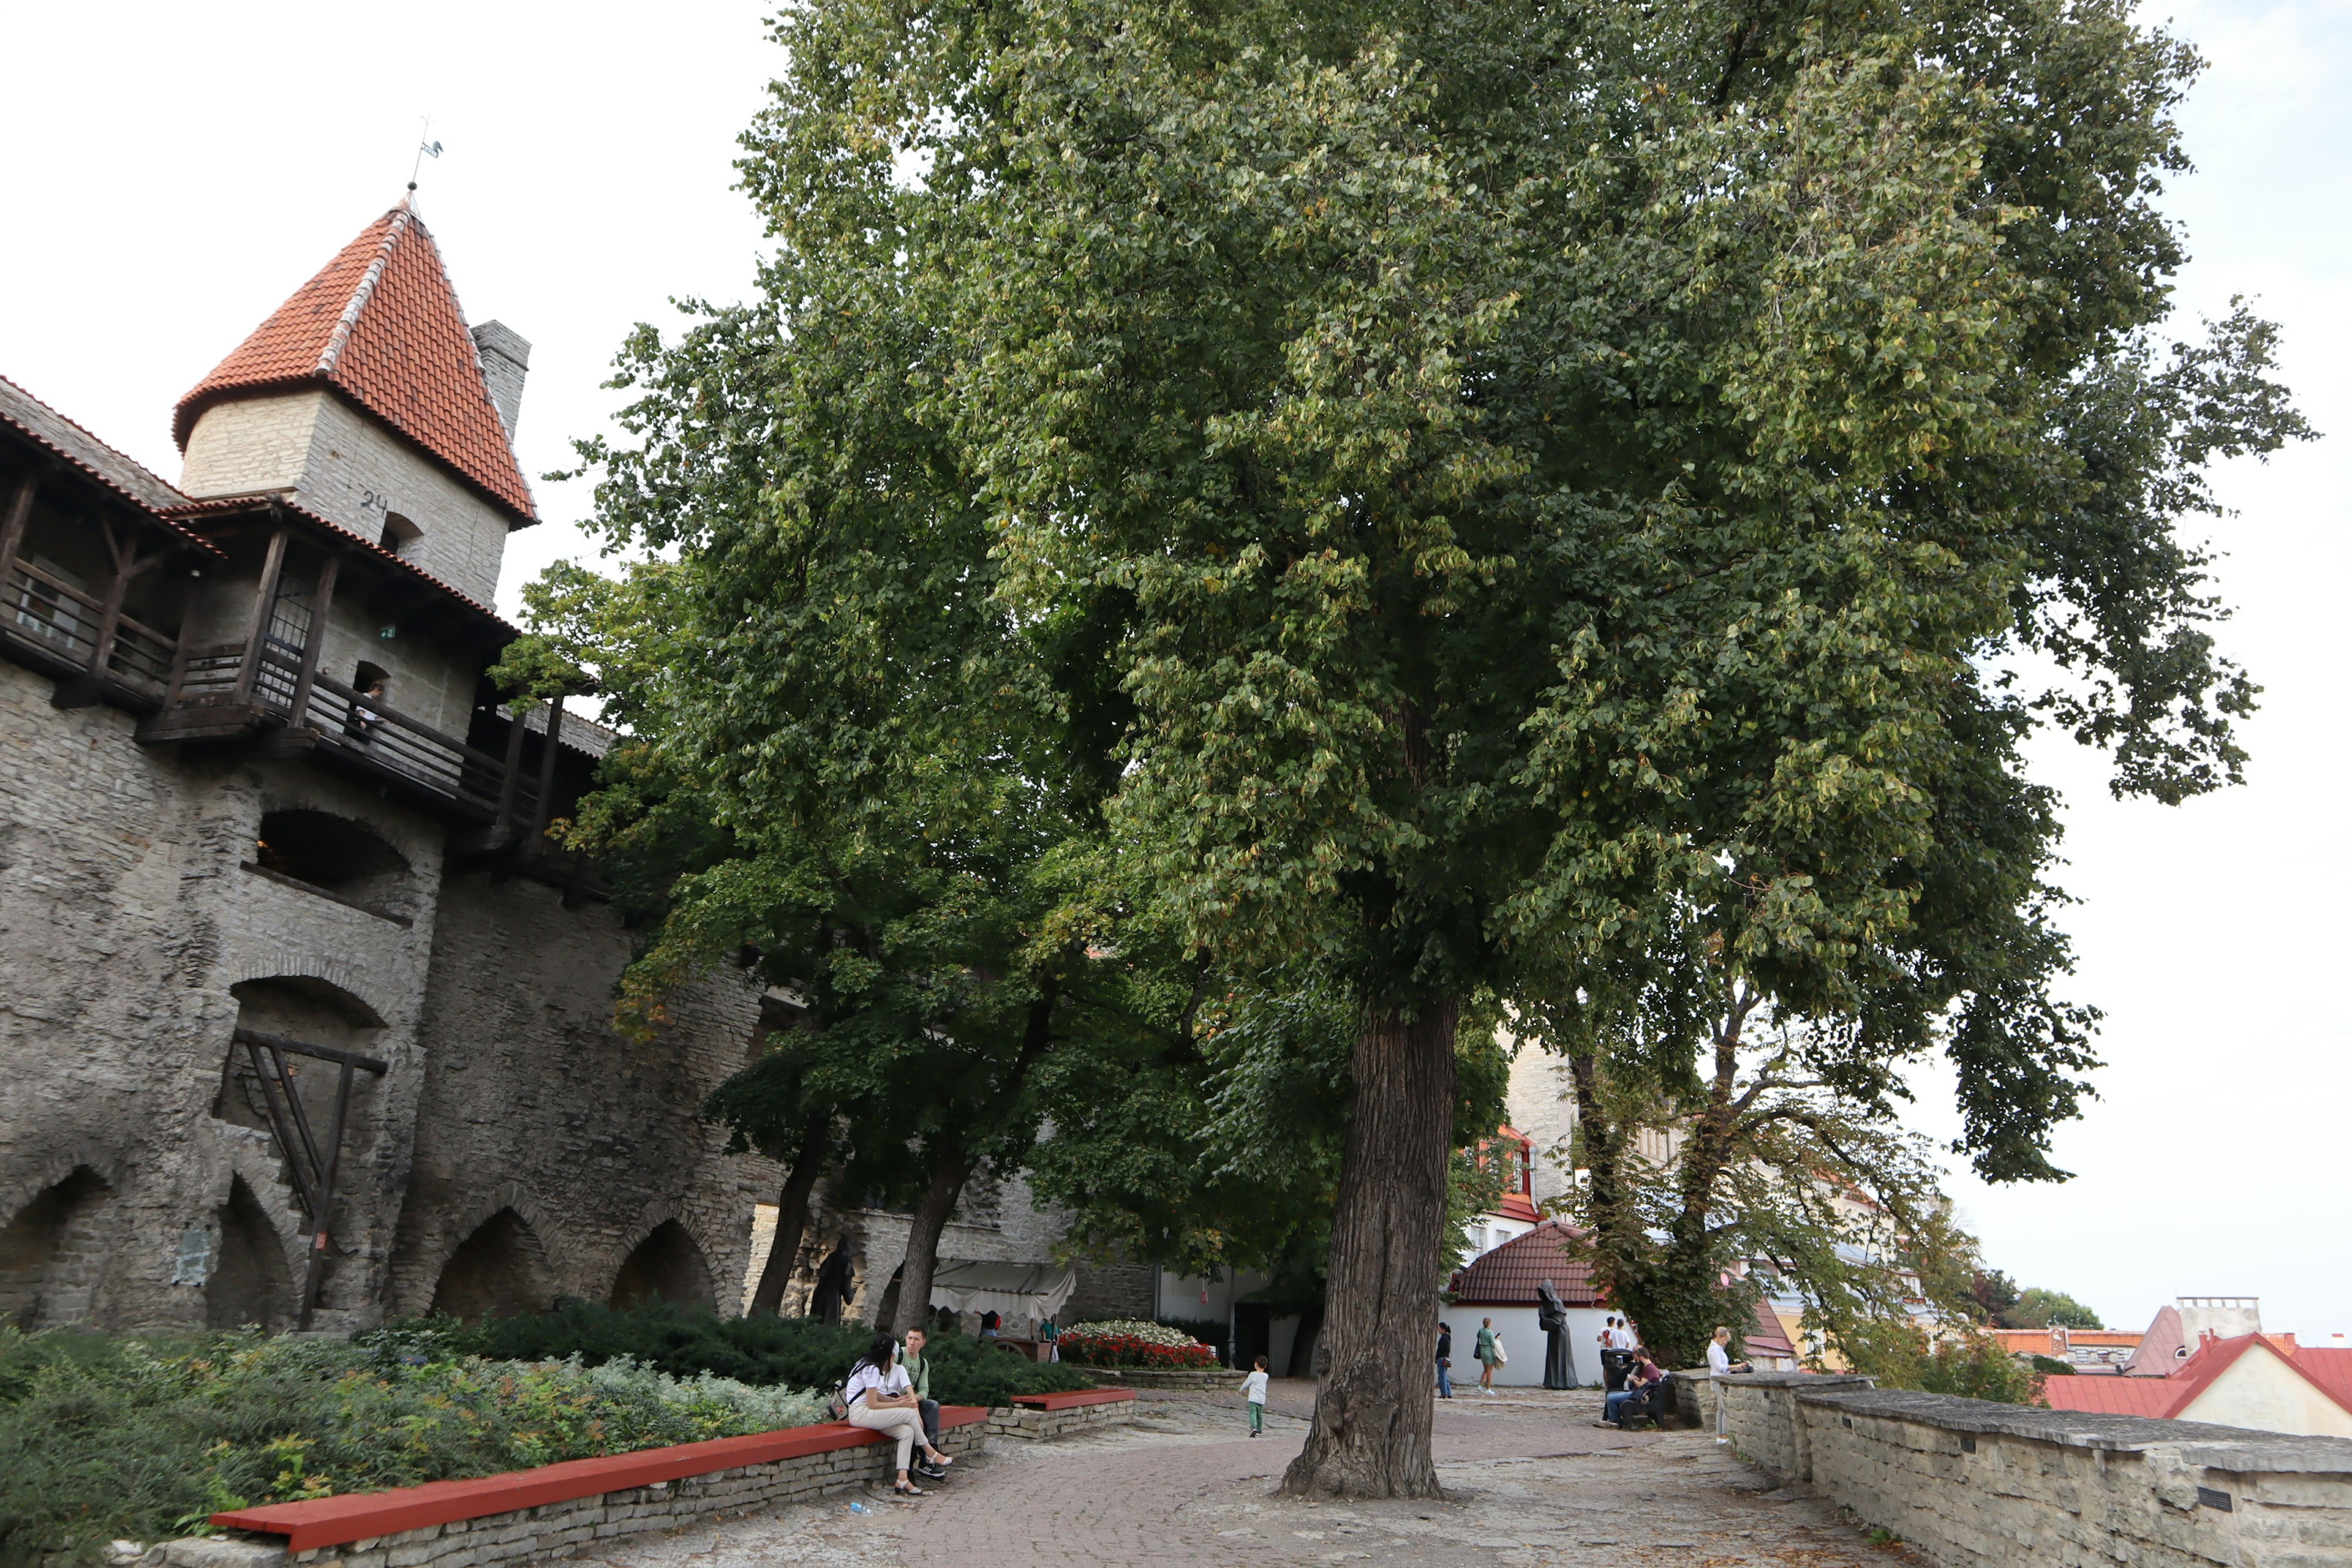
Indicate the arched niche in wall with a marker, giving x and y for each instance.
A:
(53, 1253)
(250, 1284)
(666, 1265)
(335, 855)
(316, 1011)
(499, 1271)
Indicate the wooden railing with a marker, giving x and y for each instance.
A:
(43, 611)
(362, 730)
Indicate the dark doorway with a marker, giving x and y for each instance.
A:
(52, 1254)
(498, 1271)
(666, 1265)
(1252, 1333)
(251, 1285)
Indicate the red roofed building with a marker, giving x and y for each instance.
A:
(2251, 1380)
(367, 400)
(1500, 1284)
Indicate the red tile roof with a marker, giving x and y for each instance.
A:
(1507, 1276)
(2169, 1396)
(2110, 1395)
(35, 420)
(1767, 1337)
(380, 324)
(2329, 1367)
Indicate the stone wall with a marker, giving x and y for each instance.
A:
(1970, 1483)
(533, 1104)
(129, 929)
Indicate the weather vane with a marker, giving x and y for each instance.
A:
(425, 148)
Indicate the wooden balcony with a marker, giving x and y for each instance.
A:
(231, 691)
(94, 651)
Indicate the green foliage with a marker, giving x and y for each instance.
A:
(1584, 509)
(2051, 1367)
(2040, 1309)
(1971, 1365)
(104, 1437)
(803, 1353)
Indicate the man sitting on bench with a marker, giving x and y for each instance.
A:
(919, 1375)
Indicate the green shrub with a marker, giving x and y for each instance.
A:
(2051, 1367)
(798, 1351)
(103, 1437)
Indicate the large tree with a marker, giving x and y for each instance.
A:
(1539, 501)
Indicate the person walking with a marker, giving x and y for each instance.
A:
(1445, 1361)
(1254, 1390)
(1489, 1352)
(1719, 1364)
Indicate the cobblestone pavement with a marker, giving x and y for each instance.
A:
(1529, 1483)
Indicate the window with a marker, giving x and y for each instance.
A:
(402, 537)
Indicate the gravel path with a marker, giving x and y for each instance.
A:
(1529, 1483)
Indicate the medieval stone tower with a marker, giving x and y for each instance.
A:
(301, 1021)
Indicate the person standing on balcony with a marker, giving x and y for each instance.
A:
(365, 715)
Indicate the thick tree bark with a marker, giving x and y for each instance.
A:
(953, 1169)
(791, 1216)
(1372, 1408)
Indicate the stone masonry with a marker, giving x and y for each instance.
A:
(1970, 1484)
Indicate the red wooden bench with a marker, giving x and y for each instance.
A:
(338, 1520)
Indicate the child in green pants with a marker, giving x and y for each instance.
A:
(1254, 1390)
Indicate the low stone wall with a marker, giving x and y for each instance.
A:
(1215, 1377)
(1969, 1483)
(1036, 1426)
(562, 1529)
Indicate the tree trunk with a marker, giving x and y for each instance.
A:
(1372, 1408)
(948, 1176)
(1302, 1344)
(791, 1217)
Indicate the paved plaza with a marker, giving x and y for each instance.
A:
(1530, 1482)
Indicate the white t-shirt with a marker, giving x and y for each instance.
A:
(892, 1381)
(1718, 1360)
(1621, 1338)
(1253, 1387)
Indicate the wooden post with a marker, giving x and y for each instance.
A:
(510, 783)
(120, 555)
(259, 626)
(319, 1229)
(546, 802)
(315, 644)
(12, 528)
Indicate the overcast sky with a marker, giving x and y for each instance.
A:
(177, 171)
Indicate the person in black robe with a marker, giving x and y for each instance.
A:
(1551, 1317)
(833, 1277)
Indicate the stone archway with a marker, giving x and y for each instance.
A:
(500, 1270)
(668, 1266)
(53, 1253)
(251, 1284)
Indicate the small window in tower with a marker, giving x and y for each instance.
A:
(402, 537)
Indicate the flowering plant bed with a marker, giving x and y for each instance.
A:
(1130, 1342)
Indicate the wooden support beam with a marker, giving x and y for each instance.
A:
(315, 644)
(375, 1065)
(257, 625)
(546, 802)
(121, 553)
(12, 526)
(510, 785)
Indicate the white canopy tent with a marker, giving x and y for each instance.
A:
(1019, 1292)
